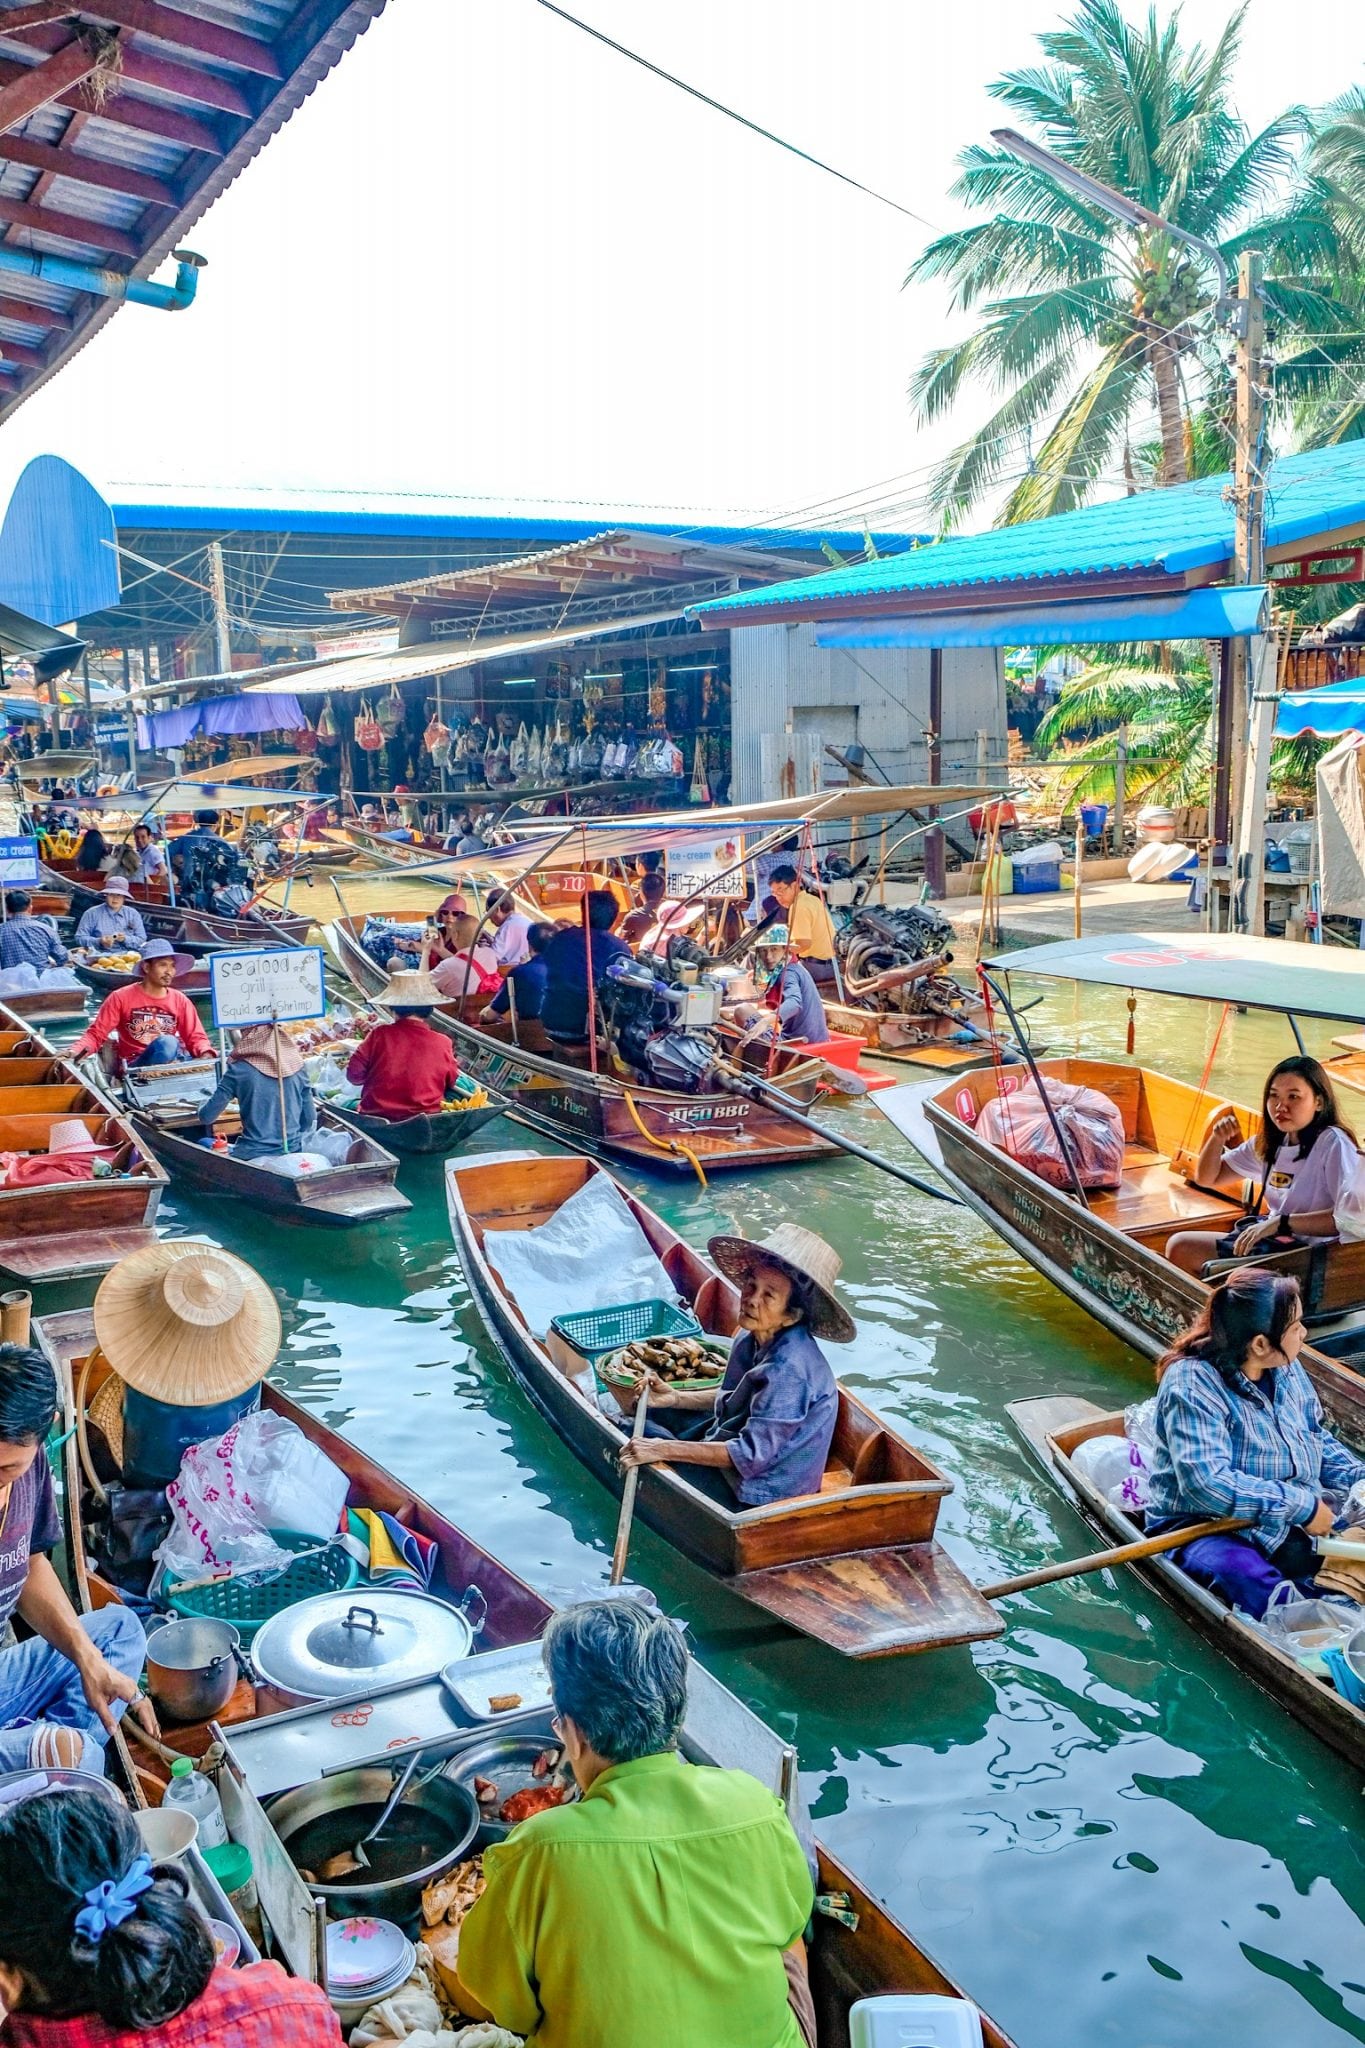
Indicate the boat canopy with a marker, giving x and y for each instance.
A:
(183, 795)
(1216, 967)
(826, 806)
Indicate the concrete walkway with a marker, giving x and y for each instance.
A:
(1108, 906)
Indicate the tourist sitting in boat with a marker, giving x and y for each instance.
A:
(765, 1434)
(1239, 1431)
(151, 855)
(405, 1069)
(670, 1899)
(791, 1005)
(150, 1023)
(113, 926)
(564, 1012)
(653, 890)
(99, 1945)
(507, 930)
(522, 992)
(265, 1069)
(73, 1676)
(810, 928)
(1301, 1164)
(448, 911)
(94, 855)
(468, 969)
(26, 939)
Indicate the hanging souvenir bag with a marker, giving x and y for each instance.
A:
(390, 714)
(327, 724)
(368, 735)
(700, 790)
(305, 739)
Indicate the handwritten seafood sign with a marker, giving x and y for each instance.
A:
(263, 987)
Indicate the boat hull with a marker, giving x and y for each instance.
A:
(348, 1195)
(444, 1132)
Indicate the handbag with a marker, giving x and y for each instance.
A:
(1282, 1241)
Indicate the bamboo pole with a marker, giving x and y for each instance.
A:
(1080, 870)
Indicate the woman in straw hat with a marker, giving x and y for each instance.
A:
(405, 1069)
(264, 1076)
(765, 1435)
(186, 1324)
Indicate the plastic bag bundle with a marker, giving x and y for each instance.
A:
(1091, 1125)
(232, 1490)
(13, 980)
(1115, 1465)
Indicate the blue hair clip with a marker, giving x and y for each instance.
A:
(111, 1903)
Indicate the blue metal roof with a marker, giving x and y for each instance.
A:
(1188, 526)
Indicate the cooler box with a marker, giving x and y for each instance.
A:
(1036, 877)
(914, 2020)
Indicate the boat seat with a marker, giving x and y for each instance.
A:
(1150, 1196)
(837, 1477)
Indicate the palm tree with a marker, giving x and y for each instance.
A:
(1089, 325)
(1323, 383)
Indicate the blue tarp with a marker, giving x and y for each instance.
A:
(1330, 712)
(1214, 614)
(262, 711)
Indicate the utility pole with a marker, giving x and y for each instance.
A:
(222, 636)
(1247, 806)
(935, 851)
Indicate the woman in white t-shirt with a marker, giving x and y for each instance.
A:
(1301, 1164)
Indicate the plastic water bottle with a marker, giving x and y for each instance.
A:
(198, 1795)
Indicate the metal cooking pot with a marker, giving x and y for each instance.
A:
(192, 1667)
(454, 1813)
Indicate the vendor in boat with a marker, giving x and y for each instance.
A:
(666, 1905)
(150, 1022)
(264, 1076)
(1239, 1431)
(151, 856)
(100, 1946)
(468, 968)
(521, 997)
(810, 928)
(765, 1434)
(652, 892)
(791, 1005)
(565, 1010)
(63, 1688)
(1300, 1166)
(405, 1068)
(113, 926)
(26, 940)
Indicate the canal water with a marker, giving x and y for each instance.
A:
(1095, 1822)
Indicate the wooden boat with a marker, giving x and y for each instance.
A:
(358, 1192)
(51, 1005)
(871, 1956)
(856, 1565)
(1053, 1428)
(443, 1132)
(200, 931)
(599, 1112)
(70, 1229)
(885, 1034)
(191, 977)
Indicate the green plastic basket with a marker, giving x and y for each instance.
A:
(248, 1607)
(594, 1331)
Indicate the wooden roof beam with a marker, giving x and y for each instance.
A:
(140, 67)
(83, 169)
(34, 316)
(168, 124)
(38, 85)
(19, 352)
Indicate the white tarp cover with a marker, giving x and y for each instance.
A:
(1341, 828)
(591, 1254)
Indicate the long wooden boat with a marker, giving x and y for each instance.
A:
(598, 1112)
(1053, 1428)
(51, 1005)
(70, 1229)
(192, 977)
(864, 1956)
(885, 1034)
(446, 1131)
(199, 931)
(855, 1565)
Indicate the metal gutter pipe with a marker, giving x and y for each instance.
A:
(111, 284)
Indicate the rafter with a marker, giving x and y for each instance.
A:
(71, 227)
(34, 316)
(64, 162)
(185, 31)
(35, 87)
(140, 67)
(20, 352)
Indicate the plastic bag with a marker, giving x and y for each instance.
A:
(1116, 1466)
(232, 1490)
(1091, 1124)
(59, 977)
(1305, 1628)
(295, 1165)
(335, 1146)
(13, 980)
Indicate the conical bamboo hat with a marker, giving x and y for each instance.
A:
(186, 1323)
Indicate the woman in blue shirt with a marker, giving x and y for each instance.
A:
(258, 1080)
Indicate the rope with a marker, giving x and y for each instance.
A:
(1204, 1079)
(673, 1145)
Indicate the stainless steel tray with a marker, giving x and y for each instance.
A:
(473, 1681)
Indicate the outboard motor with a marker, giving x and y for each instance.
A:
(648, 1016)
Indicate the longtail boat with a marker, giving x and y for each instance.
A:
(192, 931)
(69, 1228)
(1053, 1428)
(602, 1112)
(863, 1953)
(1107, 1252)
(855, 1565)
(192, 977)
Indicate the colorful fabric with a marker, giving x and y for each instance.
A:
(28, 941)
(259, 2007)
(394, 1556)
(136, 1017)
(654, 1910)
(403, 1069)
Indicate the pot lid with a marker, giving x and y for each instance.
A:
(341, 1642)
(363, 1952)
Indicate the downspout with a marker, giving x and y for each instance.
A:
(111, 284)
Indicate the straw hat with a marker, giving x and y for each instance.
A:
(806, 1257)
(117, 885)
(73, 1136)
(411, 989)
(186, 1323)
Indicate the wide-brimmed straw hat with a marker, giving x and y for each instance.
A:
(411, 989)
(806, 1257)
(71, 1135)
(186, 1323)
(117, 885)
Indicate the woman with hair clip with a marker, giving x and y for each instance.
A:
(101, 1948)
(1301, 1163)
(1239, 1431)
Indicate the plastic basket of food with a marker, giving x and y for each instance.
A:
(689, 1364)
(593, 1331)
(248, 1602)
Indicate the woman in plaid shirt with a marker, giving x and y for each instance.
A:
(1239, 1431)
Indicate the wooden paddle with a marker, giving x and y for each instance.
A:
(628, 1492)
(1126, 1553)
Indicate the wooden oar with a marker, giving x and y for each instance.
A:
(628, 1492)
(1126, 1553)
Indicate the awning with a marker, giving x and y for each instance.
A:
(196, 796)
(1216, 967)
(1328, 713)
(855, 800)
(1228, 613)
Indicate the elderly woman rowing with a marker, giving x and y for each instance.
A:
(765, 1435)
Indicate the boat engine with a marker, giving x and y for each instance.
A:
(656, 1023)
(878, 951)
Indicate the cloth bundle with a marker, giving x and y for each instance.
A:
(413, 2015)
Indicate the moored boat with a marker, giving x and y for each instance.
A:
(51, 1005)
(192, 976)
(855, 1566)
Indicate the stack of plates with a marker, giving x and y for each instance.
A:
(366, 1960)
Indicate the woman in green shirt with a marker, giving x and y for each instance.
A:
(661, 1906)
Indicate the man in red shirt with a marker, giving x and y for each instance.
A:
(151, 1023)
(405, 1068)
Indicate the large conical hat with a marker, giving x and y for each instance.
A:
(411, 988)
(187, 1324)
(807, 1257)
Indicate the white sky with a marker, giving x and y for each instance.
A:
(491, 257)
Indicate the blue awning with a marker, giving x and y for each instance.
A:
(1227, 612)
(1328, 713)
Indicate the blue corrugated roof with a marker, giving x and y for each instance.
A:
(1171, 531)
